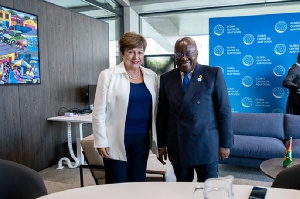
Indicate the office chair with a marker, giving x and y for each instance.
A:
(155, 170)
(288, 178)
(19, 181)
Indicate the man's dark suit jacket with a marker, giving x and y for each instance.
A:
(195, 124)
(292, 82)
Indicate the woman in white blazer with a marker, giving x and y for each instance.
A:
(124, 113)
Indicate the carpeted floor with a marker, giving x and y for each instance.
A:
(63, 179)
(245, 175)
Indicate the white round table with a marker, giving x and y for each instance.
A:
(161, 190)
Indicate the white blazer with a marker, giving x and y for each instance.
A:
(110, 109)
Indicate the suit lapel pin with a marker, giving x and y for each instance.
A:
(199, 78)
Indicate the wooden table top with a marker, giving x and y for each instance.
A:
(273, 166)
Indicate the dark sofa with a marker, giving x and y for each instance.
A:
(262, 136)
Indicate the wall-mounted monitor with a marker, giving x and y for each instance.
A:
(19, 48)
(160, 63)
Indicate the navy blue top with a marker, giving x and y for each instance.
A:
(138, 111)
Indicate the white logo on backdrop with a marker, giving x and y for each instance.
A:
(248, 60)
(248, 39)
(277, 110)
(280, 49)
(247, 81)
(247, 102)
(279, 70)
(278, 92)
(219, 50)
(280, 27)
(219, 30)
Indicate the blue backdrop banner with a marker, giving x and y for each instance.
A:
(255, 53)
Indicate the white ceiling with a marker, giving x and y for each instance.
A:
(165, 28)
(151, 6)
(148, 6)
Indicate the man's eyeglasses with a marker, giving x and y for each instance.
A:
(180, 55)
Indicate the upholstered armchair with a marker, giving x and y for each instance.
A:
(155, 170)
(288, 178)
(19, 181)
(94, 161)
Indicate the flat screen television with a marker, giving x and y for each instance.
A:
(19, 48)
(160, 63)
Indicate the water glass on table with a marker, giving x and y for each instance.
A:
(218, 188)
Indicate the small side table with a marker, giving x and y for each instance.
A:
(273, 166)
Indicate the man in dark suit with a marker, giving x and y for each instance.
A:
(292, 82)
(193, 125)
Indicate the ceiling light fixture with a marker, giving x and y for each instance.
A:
(104, 6)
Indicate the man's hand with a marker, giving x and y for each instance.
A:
(162, 155)
(223, 153)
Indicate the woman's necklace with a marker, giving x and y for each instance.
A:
(134, 78)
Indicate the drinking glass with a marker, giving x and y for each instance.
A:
(218, 188)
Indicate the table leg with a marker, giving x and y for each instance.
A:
(78, 127)
(70, 150)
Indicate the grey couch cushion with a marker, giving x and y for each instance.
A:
(258, 124)
(257, 147)
(292, 126)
